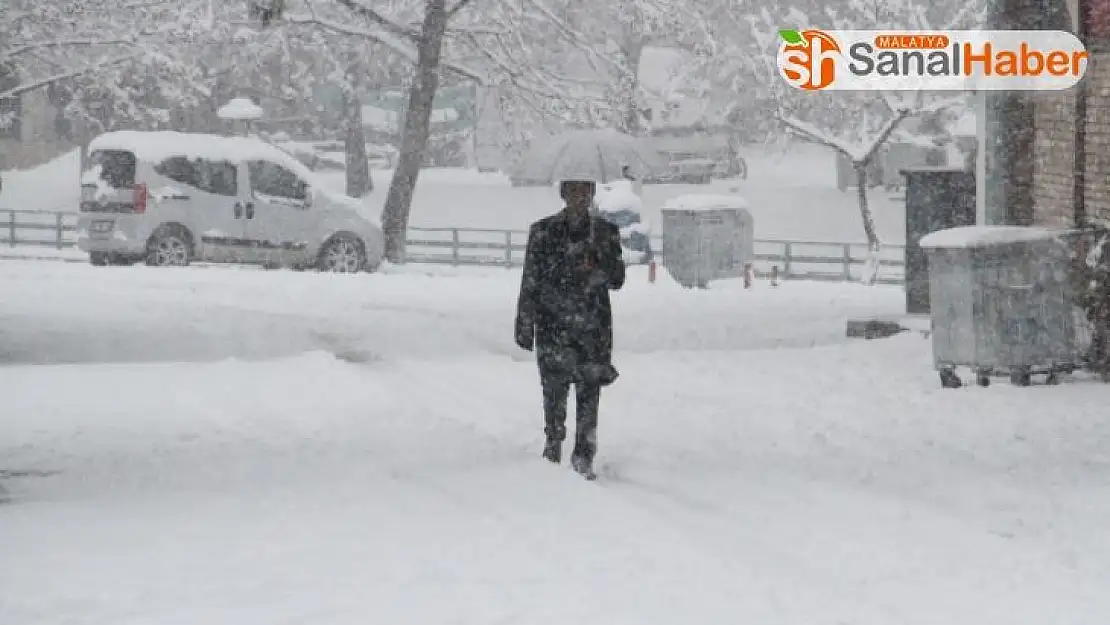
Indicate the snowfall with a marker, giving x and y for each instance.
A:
(235, 446)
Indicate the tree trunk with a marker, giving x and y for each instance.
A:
(871, 267)
(630, 86)
(359, 182)
(414, 139)
(632, 48)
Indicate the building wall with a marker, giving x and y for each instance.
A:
(1097, 142)
(1053, 177)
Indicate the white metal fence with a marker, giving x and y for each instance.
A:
(812, 260)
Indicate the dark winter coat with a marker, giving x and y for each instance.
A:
(564, 306)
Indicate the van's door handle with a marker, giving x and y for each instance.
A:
(250, 210)
(238, 210)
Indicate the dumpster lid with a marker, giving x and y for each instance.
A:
(981, 236)
(706, 202)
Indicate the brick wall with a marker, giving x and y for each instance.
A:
(1097, 152)
(1054, 158)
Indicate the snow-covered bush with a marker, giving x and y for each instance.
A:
(617, 196)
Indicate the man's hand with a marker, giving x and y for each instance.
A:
(525, 335)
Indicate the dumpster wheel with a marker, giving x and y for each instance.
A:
(949, 379)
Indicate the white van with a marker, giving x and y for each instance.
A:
(170, 198)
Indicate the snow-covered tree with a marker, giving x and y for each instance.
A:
(577, 60)
(521, 45)
(420, 44)
(856, 125)
(42, 43)
(105, 60)
(285, 68)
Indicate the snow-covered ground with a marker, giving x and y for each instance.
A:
(792, 194)
(233, 446)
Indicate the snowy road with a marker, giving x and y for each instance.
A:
(228, 468)
(81, 313)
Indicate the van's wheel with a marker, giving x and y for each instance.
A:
(168, 247)
(343, 253)
(123, 260)
(98, 259)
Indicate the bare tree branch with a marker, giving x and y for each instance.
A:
(568, 34)
(146, 5)
(46, 60)
(23, 49)
(49, 80)
(14, 20)
(401, 47)
(513, 74)
(943, 103)
(856, 155)
(381, 20)
(475, 30)
(460, 5)
(884, 133)
(812, 133)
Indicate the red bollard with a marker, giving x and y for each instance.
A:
(774, 275)
(747, 275)
(651, 272)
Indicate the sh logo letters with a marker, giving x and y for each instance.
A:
(807, 59)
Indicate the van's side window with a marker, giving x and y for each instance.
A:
(216, 177)
(276, 181)
(223, 178)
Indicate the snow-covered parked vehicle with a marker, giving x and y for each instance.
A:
(618, 204)
(170, 198)
(307, 154)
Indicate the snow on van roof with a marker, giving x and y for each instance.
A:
(156, 146)
(962, 237)
(159, 145)
(706, 202)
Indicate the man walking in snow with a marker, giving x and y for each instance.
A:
(573, 260)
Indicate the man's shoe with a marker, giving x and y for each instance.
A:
(553, 451)
(583, 466)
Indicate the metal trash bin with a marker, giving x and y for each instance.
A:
(1003, 302)
(706, 237)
